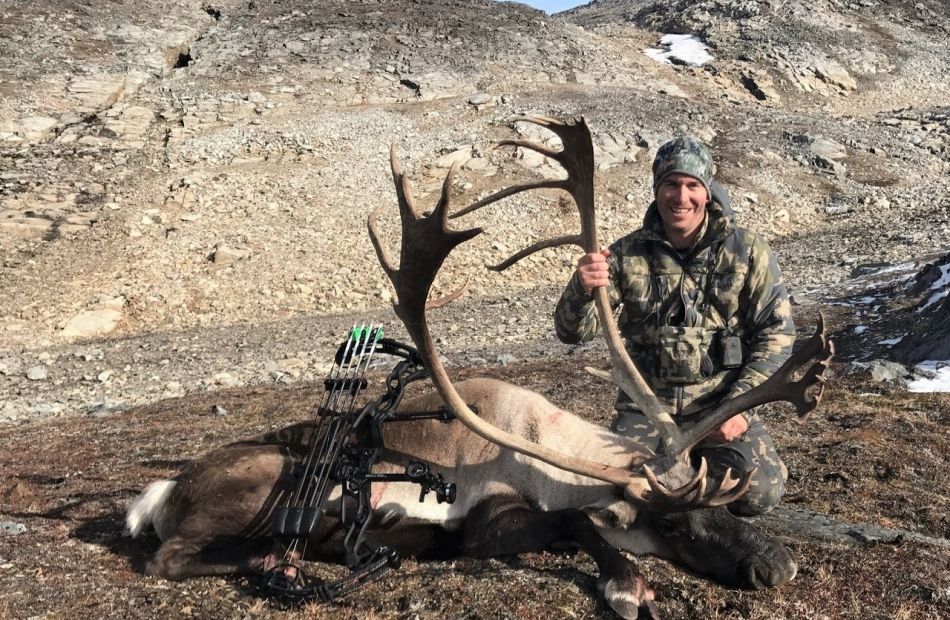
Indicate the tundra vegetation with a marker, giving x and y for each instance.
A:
(173, 177)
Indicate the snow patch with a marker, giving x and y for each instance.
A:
(944, 277)
(891, 341)
(934, 299)
(684, 49)
(860, 329)
(939, 377)
(942, 283)
(893, 268)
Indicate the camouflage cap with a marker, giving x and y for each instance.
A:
(683, 155)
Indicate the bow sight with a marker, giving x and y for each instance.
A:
(345, 446)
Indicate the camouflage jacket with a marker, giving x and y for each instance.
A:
(729, 280)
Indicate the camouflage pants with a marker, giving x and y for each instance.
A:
(753, 449)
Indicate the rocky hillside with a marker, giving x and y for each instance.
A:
(184, 185)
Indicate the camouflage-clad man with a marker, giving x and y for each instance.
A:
(705, 314)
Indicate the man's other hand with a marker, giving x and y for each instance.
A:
(733, 428)
(592, 270)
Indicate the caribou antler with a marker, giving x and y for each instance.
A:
(694, 492)
(577, 159)
(426, 242)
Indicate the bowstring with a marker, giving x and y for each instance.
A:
(321, 412)
(352, 385)
(326, 428)
(345, 381)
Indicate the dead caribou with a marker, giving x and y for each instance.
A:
(520, 488)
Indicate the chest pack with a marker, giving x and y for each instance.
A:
(681, 352)
(688, 353)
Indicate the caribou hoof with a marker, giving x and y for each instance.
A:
(156, 569)
(271, 564)
(630, 596)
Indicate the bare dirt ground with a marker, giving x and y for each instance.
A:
(864, 457)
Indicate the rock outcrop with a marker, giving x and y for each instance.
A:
(213, 166)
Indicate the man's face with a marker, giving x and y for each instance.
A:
(682, 203)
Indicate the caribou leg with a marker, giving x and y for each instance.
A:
(180, 558)
(183, 556)
(409, 537)
(507, 526)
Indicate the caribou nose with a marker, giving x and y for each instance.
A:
(760, 572)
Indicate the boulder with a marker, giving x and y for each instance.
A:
(92, 323)
(831, 72)
(95, 94)
(881, 371)
(760, 84)
(225, 254)
(458, 156)
(481, 100)
(37, 373)
(36, 128)
(828, 148)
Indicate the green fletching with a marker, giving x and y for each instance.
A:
(366, 333)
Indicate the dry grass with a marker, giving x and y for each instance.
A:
(880, 459)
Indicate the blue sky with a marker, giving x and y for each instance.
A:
(553, 6)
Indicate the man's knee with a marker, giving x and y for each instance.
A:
(637, 426)
(768, 480)
(759, 499)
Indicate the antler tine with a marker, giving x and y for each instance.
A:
(815, 373)
(700, 495)
(540, 119)
(537, 148)
(432, 304)
(690, 495)
(693, 494)
(729, 489)
(382, 253)
(726, 483)
(403, 193)
(504, 193)
(537, 247)
(696, 481)
(781, 386)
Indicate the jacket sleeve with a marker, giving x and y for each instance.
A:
(575, 318)
(769, 329)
